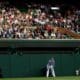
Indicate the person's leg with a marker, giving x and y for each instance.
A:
(47, 73)
(53, 72)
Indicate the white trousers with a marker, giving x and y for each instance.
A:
(52, 71)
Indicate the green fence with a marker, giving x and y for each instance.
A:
(17, 59)
(34, 63)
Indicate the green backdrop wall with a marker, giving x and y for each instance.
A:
(32, 63)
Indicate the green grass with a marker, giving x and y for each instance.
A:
(44, 78)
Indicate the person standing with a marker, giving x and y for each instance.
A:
(50, 67)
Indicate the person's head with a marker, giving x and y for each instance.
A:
(52, 58)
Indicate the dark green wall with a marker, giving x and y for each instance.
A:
(13, 43)
(30, 64)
